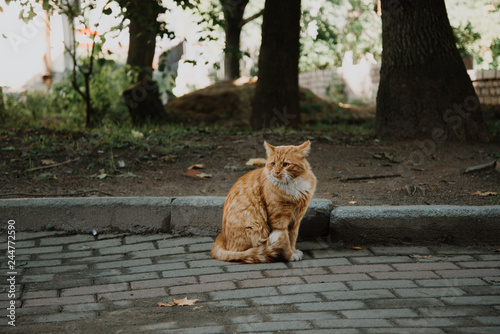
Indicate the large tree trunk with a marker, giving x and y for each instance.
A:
(424, 91)
(233, 17)
(143, 98)
(276, 100)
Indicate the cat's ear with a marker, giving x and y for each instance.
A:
(269, 148)
(305, 148)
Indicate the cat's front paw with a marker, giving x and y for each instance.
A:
(297, 256)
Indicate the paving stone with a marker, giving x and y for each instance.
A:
(400, 330)
(66, 240)
(99, 244)
(244, 293)
(430, 322)
(205, 287)
(358, 294)
(400, 250)
(201, 247)
(63, 317)
(58, 301)
(84, 307)
(254, 283)
(450, 282)
(429, 292)
(88, 290)
(162, 282)
(313, 263)
(336, 278)
(286, 299)
(36, 278)
(174, 242)
(22, 235)
(98, 259)
(272, 326)
(380, 314)
(57, 269)
(126, 278)
(262, 266)
(157, 327)
(468, 273)
(456, 311)
(472, 300)
(198, 330)
(248, 319)
(327, 253)
(135, 294)
(124, 249)
(313, 287)
(230, 276)
(134, 239)
(40, 294)
(66, 255)
(385, 284)
(42, 263)
(490, 321)
(479, 264)
(425, 266)
(352, 323)
(295, 272)
(380, 259)
(39, 250)
(404, 275)
(302, 316)
(360, 268)
(156, 267)
(207, 263)
(122, 264)
(397, 303)
(331, 306)
(191, 272)
(156, 252)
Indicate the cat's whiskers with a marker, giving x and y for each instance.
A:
(295, 187)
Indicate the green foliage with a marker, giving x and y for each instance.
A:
(62, 107)
(465, 37)
(334, 27)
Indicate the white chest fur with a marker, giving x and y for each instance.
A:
(293, 187)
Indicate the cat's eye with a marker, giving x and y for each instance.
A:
(273, 163)
(286, 164)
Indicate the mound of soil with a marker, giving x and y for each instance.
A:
(228, 103)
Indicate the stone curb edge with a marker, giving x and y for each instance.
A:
(425, 225)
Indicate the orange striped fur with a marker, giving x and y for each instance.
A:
(263, 209)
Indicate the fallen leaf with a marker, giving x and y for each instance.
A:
(160, 304)
(357, 248)
(168, 158)
(137, 134)
(47, 162)
(204, 175)
(417, 256)
(46, 176)
(196, 166)
(185, 301)
(256, 161)
(353, 202)
(486, 193)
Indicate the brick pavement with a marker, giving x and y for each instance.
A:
(112, 283)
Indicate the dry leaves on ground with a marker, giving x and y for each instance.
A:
(256, 161)
(179, 302)
(485, 193)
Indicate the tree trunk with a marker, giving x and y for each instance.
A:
(233, 17)
(276, 100)
(143, 98)
(424, 91)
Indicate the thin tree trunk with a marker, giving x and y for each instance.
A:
(424, 91)
(276, 100)
(143, 98)
(233, 17)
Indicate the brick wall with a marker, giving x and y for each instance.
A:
(360, 82)
(487, 86)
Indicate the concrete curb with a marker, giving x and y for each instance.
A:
(459, 225)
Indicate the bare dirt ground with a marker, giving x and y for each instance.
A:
(351, 170)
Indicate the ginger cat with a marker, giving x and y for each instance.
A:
(263, 209)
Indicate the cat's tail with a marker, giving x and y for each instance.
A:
(266, 252)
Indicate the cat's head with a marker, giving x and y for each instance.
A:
(285, 163)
